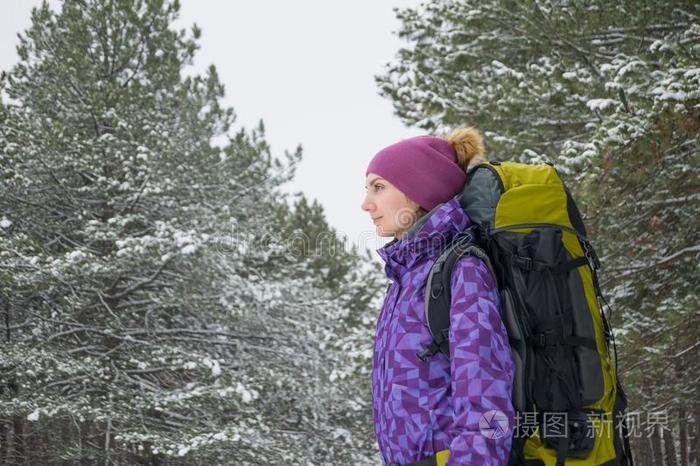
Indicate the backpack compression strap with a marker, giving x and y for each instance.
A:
(438, 294)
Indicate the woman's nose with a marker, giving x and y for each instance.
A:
(366, 205)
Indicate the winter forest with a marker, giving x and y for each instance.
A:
(151, 314)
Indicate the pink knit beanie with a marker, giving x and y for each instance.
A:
(424, 168)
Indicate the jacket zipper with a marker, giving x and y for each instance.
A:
(387, 324)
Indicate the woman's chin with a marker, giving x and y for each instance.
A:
(383, 233)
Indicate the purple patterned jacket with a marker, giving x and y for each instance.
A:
(420, 407)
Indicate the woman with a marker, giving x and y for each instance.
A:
(422, 409)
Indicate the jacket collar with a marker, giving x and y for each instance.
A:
(431, 234)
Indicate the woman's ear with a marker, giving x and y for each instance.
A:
(418, 209)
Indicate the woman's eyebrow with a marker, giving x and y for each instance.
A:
(372, 182)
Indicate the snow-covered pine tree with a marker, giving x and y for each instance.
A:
(145, 318)
(610, 93)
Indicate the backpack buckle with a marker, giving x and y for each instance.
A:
(524, 262)
(590, 255)
(539, 340)
(428, 351)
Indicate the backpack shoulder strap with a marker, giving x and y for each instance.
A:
(438, 294)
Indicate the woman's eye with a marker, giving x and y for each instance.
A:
(377, 186)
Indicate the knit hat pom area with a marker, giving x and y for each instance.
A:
(468, 145)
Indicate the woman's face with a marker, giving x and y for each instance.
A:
(391, 211)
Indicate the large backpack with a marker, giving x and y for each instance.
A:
(529, 232)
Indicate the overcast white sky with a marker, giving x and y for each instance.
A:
(306, 69)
